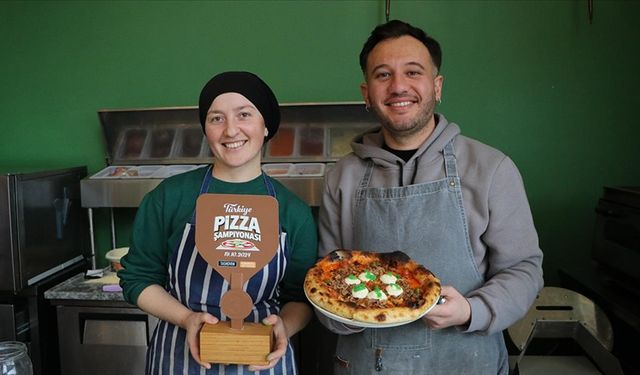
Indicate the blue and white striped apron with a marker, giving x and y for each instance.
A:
(199, 287)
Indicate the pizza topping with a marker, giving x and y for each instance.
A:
(388, 278)
(367, 276)
(377, 294)
(359, 291)
(352, 280)
(394, 290)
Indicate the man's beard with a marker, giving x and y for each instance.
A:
(410, 127)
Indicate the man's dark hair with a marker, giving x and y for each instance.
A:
(395, 29)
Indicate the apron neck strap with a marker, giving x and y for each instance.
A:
(450, 166)
(206, 181)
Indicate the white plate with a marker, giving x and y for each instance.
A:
(356, 323)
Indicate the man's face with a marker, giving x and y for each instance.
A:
(400, 87)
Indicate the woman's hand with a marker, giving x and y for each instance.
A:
(192, 324)
(155, 300)
(456, 311)
(281, 340)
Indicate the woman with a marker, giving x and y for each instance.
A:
(164, 274)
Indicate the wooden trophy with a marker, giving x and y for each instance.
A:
(237, 235)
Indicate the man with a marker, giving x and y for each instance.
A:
(451, 203)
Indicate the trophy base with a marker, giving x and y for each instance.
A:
(219, 343)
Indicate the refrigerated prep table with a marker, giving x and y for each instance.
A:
(145, 146)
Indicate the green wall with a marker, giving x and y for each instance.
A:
(533, 78)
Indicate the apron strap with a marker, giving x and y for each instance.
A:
(272, 192)
(364, 183)
(450, 166)
(206, 181)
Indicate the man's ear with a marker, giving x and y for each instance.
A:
(437, 87)
(364, 90)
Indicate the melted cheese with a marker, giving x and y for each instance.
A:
(377, 294)
(352, 280)
(394, 290)
(388, 278)
(367, 276)
(359, 291)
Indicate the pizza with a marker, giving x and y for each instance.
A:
(372, 287)
(237, 244)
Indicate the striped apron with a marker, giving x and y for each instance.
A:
(199, 287)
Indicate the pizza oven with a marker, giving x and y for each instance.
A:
(616, 244)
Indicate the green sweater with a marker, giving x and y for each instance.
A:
(163, 213)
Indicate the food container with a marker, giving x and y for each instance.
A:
(133, 144)
(162, 142)
(114, 256)
(191, 142)
(340, 138)
(277, 169)
(124, 172)
(172, 170)
(282, 144)
(307, 169)
(311, 141)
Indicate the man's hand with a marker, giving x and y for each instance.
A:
(192, 324)
(456, 311)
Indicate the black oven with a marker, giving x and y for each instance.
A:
(43, 241)
(616, 244)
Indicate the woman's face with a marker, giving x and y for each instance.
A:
(235, 132)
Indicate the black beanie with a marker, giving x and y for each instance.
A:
(248, 85)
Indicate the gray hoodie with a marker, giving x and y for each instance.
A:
(501, 229)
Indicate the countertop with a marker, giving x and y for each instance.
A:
(79, 288)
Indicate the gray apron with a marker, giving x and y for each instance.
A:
(427, 222)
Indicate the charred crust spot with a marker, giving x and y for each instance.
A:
(313, 290)
(338, 254)
(395, 257)
(381, 317)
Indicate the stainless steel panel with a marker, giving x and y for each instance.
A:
(309, 189)
(115, 193)
(114, 332)
(94, 340)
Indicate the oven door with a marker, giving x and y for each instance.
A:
(616, 243)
